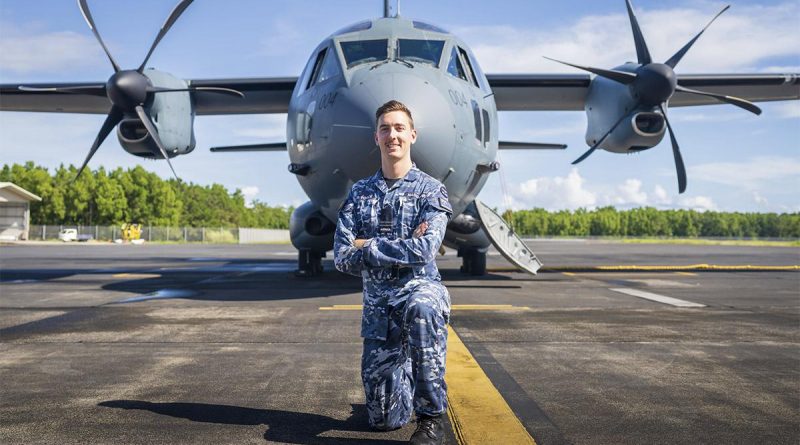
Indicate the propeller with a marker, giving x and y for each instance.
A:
(653, 84)
(129, 90)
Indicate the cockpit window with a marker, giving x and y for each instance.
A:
(330, 67)
(468, 66)
(454, 68)
(317, 68)
(364, 51)
(424, 51)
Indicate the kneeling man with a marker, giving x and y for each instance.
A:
(388, 232)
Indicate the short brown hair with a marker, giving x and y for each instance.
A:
(393, 105)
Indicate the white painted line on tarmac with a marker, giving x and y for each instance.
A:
(161, 294)
(656, 297)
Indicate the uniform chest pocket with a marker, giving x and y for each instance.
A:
(409, 206)
(368, 210)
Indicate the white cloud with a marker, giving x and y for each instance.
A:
(749, 174)
(660, 196)
(250, 192)
(630, 193)
(573, 191)
(27, 50)
(698, 203)
(760, 200)
(738, 40)
(553, 193)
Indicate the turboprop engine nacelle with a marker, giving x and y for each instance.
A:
(606, 101)
(310, 229)
(171, 113)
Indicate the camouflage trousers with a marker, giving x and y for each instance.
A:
(405, 372)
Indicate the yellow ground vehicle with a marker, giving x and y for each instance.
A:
(131, 231)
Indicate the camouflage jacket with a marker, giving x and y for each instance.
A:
(393, 260)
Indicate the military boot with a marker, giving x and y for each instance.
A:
(430, 431)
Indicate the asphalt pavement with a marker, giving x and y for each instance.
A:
(223, 344)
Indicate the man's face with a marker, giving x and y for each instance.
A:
(395, 135)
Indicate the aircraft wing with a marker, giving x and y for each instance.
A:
(554, 92)
(262, 95)
(513, 92)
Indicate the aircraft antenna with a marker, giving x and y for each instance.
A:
(387, 9)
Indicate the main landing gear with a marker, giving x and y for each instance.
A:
(473, 260)
(309, 263)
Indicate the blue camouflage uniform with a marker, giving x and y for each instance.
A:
(406, 308)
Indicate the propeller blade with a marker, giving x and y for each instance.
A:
(617, 76)
(93, 90)
(113, 118)
(165, 28)
(220, 90)
(679, 55)
(87, 15)
(148, 124)
(741, 103)
(642, 53)
(597, 144)
(676, 153)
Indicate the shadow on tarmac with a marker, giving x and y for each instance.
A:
(283, 426)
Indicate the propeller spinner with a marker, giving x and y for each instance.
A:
(653, 84)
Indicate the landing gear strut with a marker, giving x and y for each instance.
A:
(473, 260)
(309, 263)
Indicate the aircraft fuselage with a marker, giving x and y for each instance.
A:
(331, 118)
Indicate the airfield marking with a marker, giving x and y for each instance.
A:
(687, 274)
(477, 411)
(656, 297)
(657, 268)
(455, 307)
(136, 276)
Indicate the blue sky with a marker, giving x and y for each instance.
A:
(735, 160)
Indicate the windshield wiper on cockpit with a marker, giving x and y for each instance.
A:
(396, 59)
(403, 61)
(383, 62)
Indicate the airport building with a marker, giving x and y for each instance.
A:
(15, 211)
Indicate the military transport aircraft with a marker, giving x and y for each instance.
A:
(330, 116)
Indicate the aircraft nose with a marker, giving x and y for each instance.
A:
(430, 108)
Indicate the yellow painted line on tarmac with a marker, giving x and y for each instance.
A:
(569, 274)
(687, 274)
(455, 307)
(477, 411)
(635, 268)
(136, 276)
(488, 307)
(701, 267)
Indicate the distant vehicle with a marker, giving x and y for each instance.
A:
(67, 235)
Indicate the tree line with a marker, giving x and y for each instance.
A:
(649, 221)
(135, 195)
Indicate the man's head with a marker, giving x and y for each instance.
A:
(395, 131)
